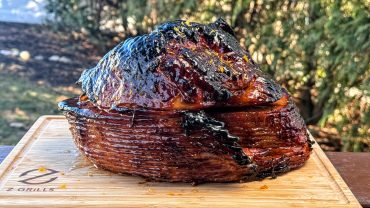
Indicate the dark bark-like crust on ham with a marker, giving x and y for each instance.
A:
(179, 66)
(186, 103)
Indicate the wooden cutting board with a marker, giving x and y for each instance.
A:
(46, 170)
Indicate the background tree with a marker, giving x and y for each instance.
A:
(319, 50)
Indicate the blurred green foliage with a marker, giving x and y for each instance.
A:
(319, 50)
(22, 102)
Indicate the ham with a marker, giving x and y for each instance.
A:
(186, 103)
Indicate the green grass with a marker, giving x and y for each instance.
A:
(22, 102)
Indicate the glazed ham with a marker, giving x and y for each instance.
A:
(186, 103)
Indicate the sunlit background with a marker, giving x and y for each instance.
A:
(319, 50)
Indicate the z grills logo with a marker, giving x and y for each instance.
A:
(37, 177)
(43, 178)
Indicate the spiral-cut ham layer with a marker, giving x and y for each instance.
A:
(157, 145)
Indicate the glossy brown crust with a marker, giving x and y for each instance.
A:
(186, 103)
(180, 65)
(154, 144)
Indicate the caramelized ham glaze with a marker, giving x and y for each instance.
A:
(186, 103)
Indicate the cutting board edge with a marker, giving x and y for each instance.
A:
(342, 185)
(26, 143)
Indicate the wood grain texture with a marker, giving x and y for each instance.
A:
(46, 170)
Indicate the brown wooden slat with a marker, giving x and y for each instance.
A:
(355, 170)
